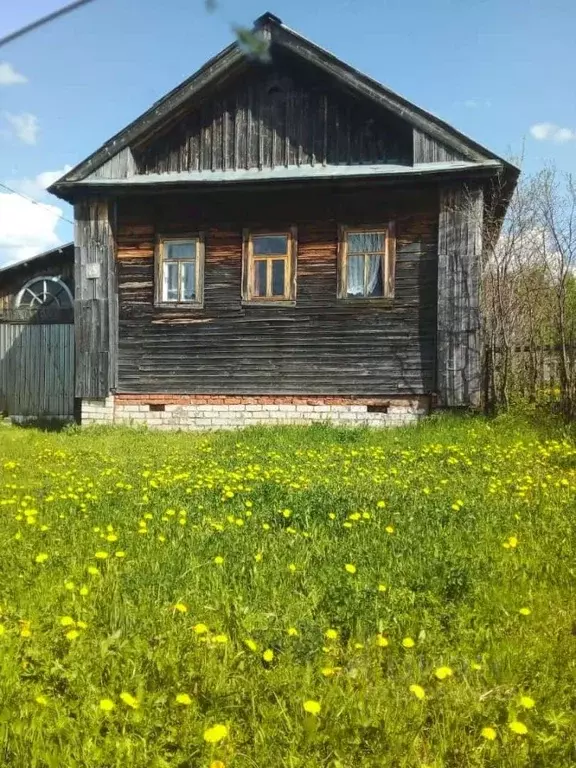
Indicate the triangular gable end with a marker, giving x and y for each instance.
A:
(398, 132)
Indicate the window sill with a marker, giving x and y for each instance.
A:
(269, 303)
(178, 305)
(383, 301)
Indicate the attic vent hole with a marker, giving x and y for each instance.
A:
(157, 408)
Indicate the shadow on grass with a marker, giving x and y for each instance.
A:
(40, 424)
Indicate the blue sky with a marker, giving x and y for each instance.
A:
(492, 68)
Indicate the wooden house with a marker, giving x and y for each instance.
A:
(280, 238)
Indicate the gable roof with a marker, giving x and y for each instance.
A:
(233, 59)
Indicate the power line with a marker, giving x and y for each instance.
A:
(44, 20)
(36, 202)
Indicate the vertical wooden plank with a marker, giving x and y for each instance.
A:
(458, 323)
(324, 128)
(225, 135)
(95, 298)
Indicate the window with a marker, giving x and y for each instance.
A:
(367, 262)
(180, 270)
(269, 266)
(45, 292)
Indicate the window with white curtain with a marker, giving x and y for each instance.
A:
(367, 262)
(180, 270)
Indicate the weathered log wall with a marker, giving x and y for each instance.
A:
(320, 345)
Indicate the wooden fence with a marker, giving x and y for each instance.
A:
(37, 370)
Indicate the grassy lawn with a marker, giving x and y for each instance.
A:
(289, 598)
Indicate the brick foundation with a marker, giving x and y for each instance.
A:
(225, 412)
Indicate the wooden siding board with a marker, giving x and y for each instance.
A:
(319, 346)
(283, 113)
(459, 256)
(427, 149)
(37, 370)
(94, 305)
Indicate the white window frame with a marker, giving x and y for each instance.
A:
(47, 278)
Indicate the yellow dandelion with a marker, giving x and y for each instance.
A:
(258, 557)
(222, 639)
(25, 630)
(475, 666)
(312, 707)
(111, 537)
(219, 560)
(93, 571)
(106, 705)
(328, 671)
(443, 672)
(381, 641)
(390, 529)
(215, 734)
(381, 504)
(292, 632)
(129, 700)
(350, 568)
(292, 568)
(408, 642)
(200, 629)
(331, 634)
(101, 555)
(184, 699)
(517, 727)
(249, 643)
(84, 591)
(70, 586)
(418, 691)
(527, 702)
(181, 608)
(42, 700)
(72, 635)
(41, 557)
(525, 611)
(120, 553)
(382, 587)
(488, 733)
(217, 764)
(67, 621)
(268, 655)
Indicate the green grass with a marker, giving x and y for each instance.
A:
(422, 514)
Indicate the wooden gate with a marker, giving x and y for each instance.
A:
(37, 370)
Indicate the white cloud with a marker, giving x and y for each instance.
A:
(26, 229)
(9, 76)
(552, 132)
(24, 126)
(36, 187)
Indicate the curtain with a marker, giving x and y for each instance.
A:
(355, 275)
(374, 282)
(364, 256)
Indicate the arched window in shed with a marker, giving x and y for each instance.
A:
(45, 292)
